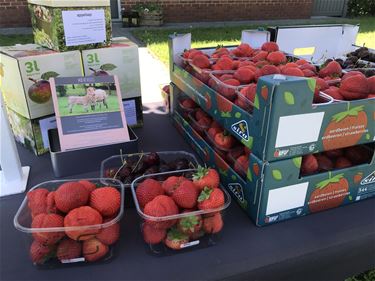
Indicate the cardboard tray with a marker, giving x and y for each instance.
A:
(68, 163)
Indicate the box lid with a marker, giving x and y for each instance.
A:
(70, 3)
(18, 51)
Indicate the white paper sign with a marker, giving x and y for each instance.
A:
(130, 112)
(84, 27)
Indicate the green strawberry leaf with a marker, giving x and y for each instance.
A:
(174, 234)
(205, 194)
(108, 66)
(288, 98)
(237, 115)
(311, 83)
(351, 112)
(256, 102)
(48, 75)
(326, 182)
(249, 176)
(277, 174)
(368, 136)
(297, 162)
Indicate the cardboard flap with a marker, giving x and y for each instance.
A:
(180, 42)
(255, 38)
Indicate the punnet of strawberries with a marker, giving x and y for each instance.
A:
(181, 210)
(234, 73)
(64, 212)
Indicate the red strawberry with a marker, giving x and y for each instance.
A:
(82, 216)
(224, 140)
(291, 64)
(302, 62)
(148, 190)
(206, 177)
(201, 61)
(332, 69)
(152, 235)
(200, 114)
(51, 205)
(245, 49)
(48, 221)
(40, 252)
(205, 122)
(308, 67)
(188, 103)
(161, 206)
(308, 73)
(225, 63)
(354, 87)
(292, 71)
(109, 235)
(213, 223)
(342, 163)
(320, 85)
(270, 47)
(90, 186)
(175, 239)
(68, 249)
(350, 74)
(244, 75)
(37, 201)
(225, 77)
(270, 69)
(94, 250)
(171, 183)
(213, 131)
(309, 165)
(334, 153)
(325, 164)
(193, 52)
(210, 198)
(260, 56)
(358, 154)
(334, 92)
(241, 164)
(106, 200)
(371, 84)
(189, 225)
(71, 195)
(186, 195)
(276, 57)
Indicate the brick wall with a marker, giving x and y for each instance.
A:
(15, 13)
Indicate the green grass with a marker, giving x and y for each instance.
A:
(157, 39)
(9, 40)
(366, 276)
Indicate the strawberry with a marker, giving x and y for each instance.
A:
(71, 195)
(193, 53)
(334, 92)
(371, 84)
(40, 252)
(186, 194)
(109, 235)
(225, 77)
(175, 239)
(332, 69)
(291, 64)
(148, 190)
(245, 49)
(244, 75)
(308, 73)
(80, 217)
(68, 249)
(342, 162)
(354, 87)
(90, 186)
(302, 62)
(94, 250)
(106, 200)
(309, 165)
(320, 85)
(358, 154)
(292, 71)
(189, 225)
(269, 69)
(188, 103)
(350, 74)
(260, 56)
(276, 58)
(210, 198)
(206, 177)
(334, 153)
(37, 201)
(325, 164)
(241, 165)
(48, 221)
(224, 63)
(205, 122)
(200, 114)
(308, 67)
(213, 223)
(51, 205)
(171, 184)
(161, 206)
(152, 235)
(213, 131)
(224, 140)
(270, 47)
(201, 61)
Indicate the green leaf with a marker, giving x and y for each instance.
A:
(249, 175)
(368, 136)
(297, 162)
(277, 174)
(351, 112)
(205, 194)
(288, 98)
(234, 177)
(226, 114)
(256, 102)
(350, 198)
(48, 75)
(311, 83)
(326, 182)
(237, 115)
(108, 66)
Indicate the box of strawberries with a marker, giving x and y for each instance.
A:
(68, 222)
(180, 210)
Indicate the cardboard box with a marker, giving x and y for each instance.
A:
(25, 73)
(120, 59)
(274, 191)
(284, 122)
(65, 25)
(32, 134)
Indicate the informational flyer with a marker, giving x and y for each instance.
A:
(89, 111)
(130, 112)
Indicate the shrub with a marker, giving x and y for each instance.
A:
(361, 8)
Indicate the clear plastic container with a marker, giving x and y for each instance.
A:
(201, 129)
(183, 109)
(52, 247)
(228, 91)
(201, 239)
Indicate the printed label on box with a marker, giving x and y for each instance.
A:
(130, 112)
(46, 124)
(84, 27)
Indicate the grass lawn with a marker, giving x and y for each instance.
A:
(157, 40)
(8, 40)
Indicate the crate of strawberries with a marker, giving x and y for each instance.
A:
(71, 221)
(184, 211)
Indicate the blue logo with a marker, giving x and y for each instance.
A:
(241, 129)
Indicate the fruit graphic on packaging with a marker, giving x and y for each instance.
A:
(354, 119)
(103, 69)
(329, 193)
(40, 91)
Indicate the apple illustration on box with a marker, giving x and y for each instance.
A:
(40, 91)
(103, 69)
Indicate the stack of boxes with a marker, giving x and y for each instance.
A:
(61, 50)
(283, 126)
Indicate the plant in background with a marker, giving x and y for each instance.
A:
(145, 8)
(361, 8)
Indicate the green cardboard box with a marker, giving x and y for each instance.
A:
(273, 192)
(65, 25)
(284, 122)
(24, 74)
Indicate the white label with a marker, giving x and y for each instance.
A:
(84, 27)
(299, 129)
(286, 198)
(130, 112)
(46, 124)
(189, 244)
(73, 260)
